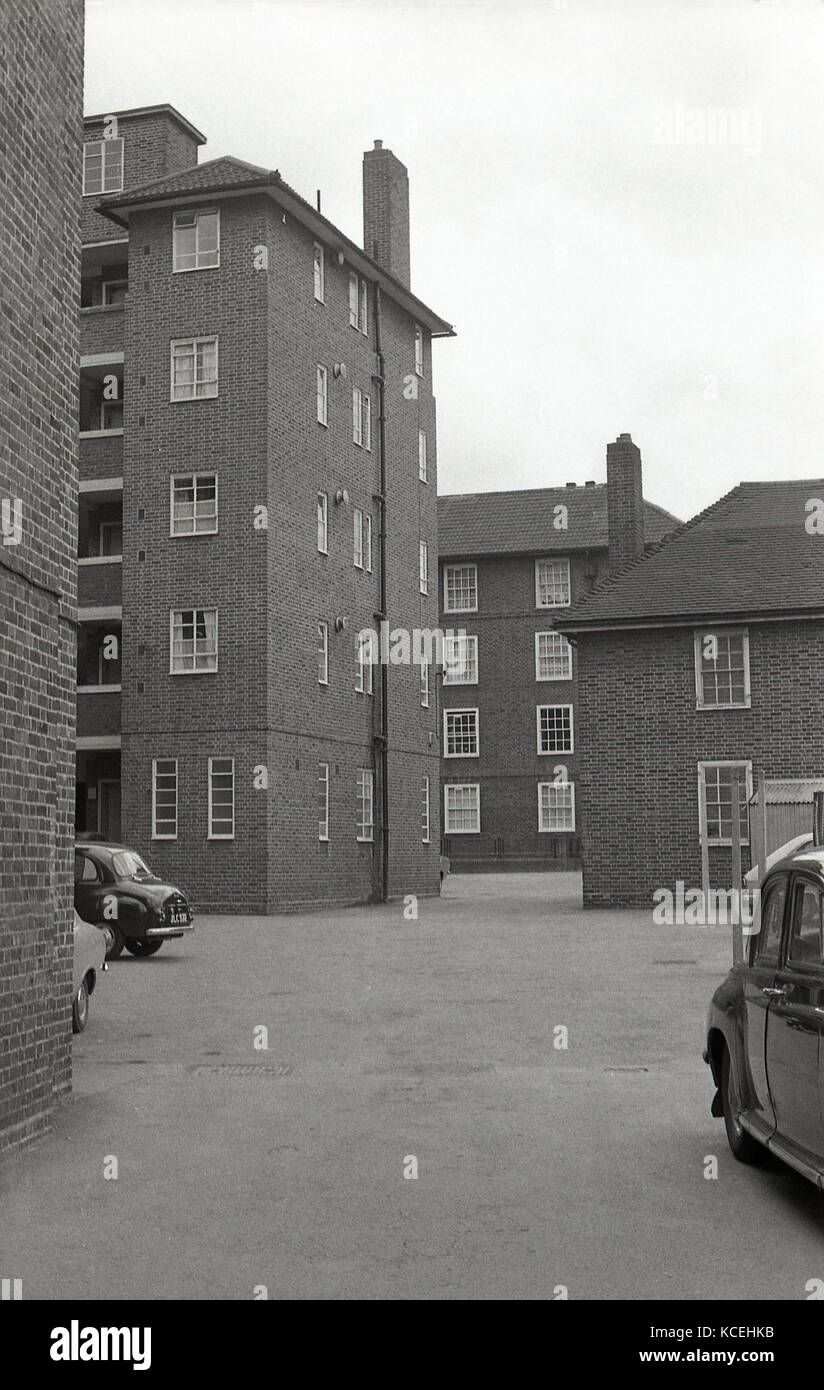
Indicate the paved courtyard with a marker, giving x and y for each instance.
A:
(538, 1167)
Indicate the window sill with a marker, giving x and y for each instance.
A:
(100, 434)
(713, 709)
(102, 308)
(99, 689)
(100, 560)
(204, 671)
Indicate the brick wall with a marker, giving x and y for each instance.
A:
(507, 695)
(264, 706)
(40, 113)
(642, 740)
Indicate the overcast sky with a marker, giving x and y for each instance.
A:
(618, 205)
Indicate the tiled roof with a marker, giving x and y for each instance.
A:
(226, 172)
(748, 553)
(508, 523)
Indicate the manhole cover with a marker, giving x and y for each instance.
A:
(243, 1068)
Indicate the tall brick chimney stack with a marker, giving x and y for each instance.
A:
(386, 211)
(625, 503)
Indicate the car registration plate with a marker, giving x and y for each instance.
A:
(180, 919)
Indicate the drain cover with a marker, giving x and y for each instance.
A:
(244, 1068)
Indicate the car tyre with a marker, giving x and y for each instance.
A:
(80, 1007)
(118, 941)
(744, 1147)
(142, 948)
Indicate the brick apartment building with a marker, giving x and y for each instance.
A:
(700, 664)
(511, 564)
(41, 54)
(258, 484)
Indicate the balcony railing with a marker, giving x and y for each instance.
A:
(99, 581)
(101, 329)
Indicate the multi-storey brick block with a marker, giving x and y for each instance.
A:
(270, 384)
(512, 564)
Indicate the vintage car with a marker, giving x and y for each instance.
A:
(115, 888)
(766, 1022)
(89, 960)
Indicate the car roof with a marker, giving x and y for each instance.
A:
(809, 857)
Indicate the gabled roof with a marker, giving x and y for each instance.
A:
(747, 554)
(227, 176)
(512, 523)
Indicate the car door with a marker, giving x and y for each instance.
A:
(88, 887)
(795, 1020)
(759, 981)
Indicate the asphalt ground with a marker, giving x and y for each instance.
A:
(548, 1162)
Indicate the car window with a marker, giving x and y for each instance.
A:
(85, 869)
(127, 864)
(806, 940)
(768, 940)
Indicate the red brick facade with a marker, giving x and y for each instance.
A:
(41, 42)
(264, 706)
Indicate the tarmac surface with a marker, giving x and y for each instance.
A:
(543, 1170)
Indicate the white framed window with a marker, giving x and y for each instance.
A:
(358, 303)
(323, 653)
(422, 466)
(424, 683)
(722, 668)
(323, 394)
(164, 798)
(460, 588)
(193, 504)
(323, 801)
(556, 806)
(195, 240)
(193, 640)
(461, 738)
(221, 798)
(426, 837)
(552, 583)
(555, 729)
(357, 540)
(361, 418)
(418, 349)
(423, 570)
(460, 660)
(323, 523)
(319, 272)
(364, 669)
(462, 808)
(103, 166)
(114, 291)
(193, 369)
(361, 540)
(366, 804)
(715, 791)
(553, 657)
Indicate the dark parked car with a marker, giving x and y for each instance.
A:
(114, 888)
(766, 1024)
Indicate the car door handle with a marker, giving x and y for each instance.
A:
(775, 993)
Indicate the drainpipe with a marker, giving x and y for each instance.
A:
(381, 736)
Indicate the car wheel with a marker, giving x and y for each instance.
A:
(80, 1008)
(118, 941)
(142, 948)
(744, 1147)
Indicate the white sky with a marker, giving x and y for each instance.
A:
(610, 259)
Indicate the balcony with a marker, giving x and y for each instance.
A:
(101, 455)
(101, 415)
(100, 547)
(98, 712)
(101, 329)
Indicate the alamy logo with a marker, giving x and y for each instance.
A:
(76, 1343)
(692, 907)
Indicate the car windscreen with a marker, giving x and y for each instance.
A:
(127, 864)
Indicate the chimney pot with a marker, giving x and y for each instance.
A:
(378, 144)
(571, 484)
